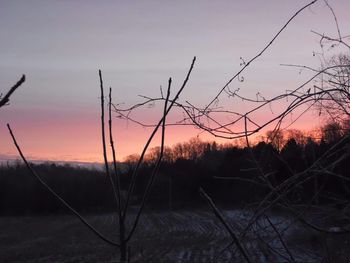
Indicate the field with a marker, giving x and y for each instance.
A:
(182, 236)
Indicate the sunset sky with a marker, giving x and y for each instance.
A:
(138, 45)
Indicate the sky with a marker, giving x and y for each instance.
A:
(60, 46)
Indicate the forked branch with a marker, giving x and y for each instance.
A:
(155, 169)
(161, 121)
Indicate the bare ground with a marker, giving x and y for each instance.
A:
(183, 236)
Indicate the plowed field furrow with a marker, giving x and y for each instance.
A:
(179, 236)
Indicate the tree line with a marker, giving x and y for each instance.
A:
(225, 171)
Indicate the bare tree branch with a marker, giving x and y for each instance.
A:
(155, 169)
(57, 196)
(6, 98)
(133, 177)
(104, 140)
(261, 52)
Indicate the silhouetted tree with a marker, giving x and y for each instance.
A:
(332, 132)
(292, 153)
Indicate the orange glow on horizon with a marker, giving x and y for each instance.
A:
(78, 138)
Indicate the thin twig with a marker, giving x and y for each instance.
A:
(226, 225)
(117, 177)
(280, 238)
(260, 53)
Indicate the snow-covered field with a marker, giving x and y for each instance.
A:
(181, 236)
